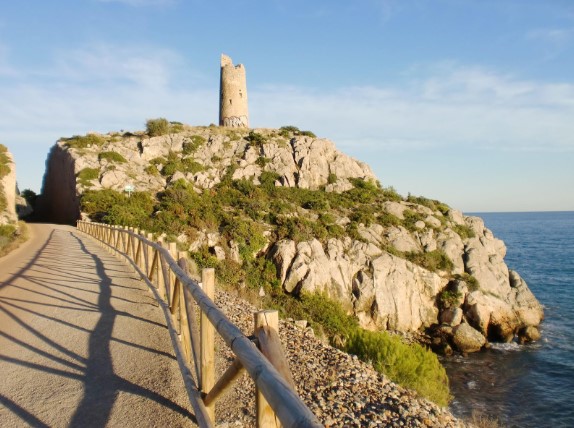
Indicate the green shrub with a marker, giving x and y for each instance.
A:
(448, 298)
(411, 366)
(432, 260)
(112, 157)
(389, 193)
(471, 281)
(87, 175)
(411, 218)
(433, 204)
(256, 139)
(82, 142)
(287, 131)
(190, 147)
(157, 127)
(332, 178)
(464, 231)
(151, 170)
(307, 134)
(204, 259)
(387, 219)
(262, 161)
(175, 127)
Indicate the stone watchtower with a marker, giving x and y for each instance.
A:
(233, 95)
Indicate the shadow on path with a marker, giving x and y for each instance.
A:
(48, 299)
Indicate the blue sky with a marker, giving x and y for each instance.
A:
(467, 101)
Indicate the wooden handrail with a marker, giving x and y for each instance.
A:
(174, 290)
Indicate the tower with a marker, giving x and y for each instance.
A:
(233, 95)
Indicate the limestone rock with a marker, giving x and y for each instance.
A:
(467, 339)
(404, 294)
(527, 308)
(528, 334)
(451, 316)
(8, 188)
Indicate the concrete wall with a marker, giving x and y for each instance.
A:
(233, 110)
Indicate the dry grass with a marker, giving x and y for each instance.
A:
(479, 419)
(21, 237)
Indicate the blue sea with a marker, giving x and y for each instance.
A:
(530, 385)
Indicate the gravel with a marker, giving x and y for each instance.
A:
(340, 390)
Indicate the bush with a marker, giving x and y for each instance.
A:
(287, 131)
(112, 157)
(86, 175)
(433, 260)
(464, 231)
(332, 178)
(157, 127)
(256, 139)
(411, 366)
(190, 147)
(82, 142)
(175, 127)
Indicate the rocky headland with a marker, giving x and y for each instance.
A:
(401, 264)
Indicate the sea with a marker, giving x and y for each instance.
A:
(527, 385)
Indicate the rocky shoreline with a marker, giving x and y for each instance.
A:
(340, 390)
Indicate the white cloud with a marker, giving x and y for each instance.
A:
(456, 107)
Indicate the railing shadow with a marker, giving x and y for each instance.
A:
(49, 281)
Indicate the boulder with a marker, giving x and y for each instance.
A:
(467, 339)
(451, 316)
(528, 334)
(404, 294)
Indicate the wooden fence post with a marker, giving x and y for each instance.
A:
(208, 341)
(265, 320)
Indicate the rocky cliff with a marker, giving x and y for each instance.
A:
(397, 264)
(7, 187)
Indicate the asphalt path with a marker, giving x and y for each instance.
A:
(82, 341)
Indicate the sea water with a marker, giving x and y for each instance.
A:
(527, 385)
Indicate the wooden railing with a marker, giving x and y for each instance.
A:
(277, 403)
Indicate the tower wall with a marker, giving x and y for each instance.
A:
(233, 110)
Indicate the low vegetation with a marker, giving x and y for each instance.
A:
(84, 141)
(4, 171)
(11, 236)
(87, 175)
(112, 157)
(161, 126)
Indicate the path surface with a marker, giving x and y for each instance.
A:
(82, 341)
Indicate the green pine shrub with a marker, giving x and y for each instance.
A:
(412, 366)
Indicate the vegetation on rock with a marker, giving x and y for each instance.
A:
(112, 157)
(84, 141)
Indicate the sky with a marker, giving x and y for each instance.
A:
(470, 102)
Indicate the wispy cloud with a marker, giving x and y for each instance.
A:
(457, 106)
(552, 35)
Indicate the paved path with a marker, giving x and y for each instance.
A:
(82, 341)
